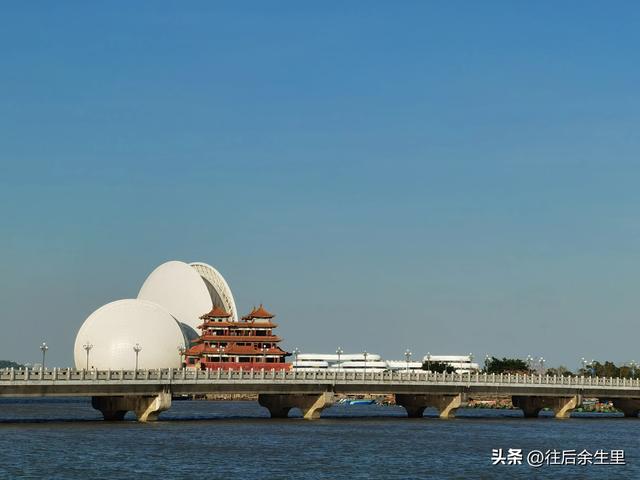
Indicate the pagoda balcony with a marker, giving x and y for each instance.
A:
(237, 325)
(241, 338)
(236, 350)
(246, 366)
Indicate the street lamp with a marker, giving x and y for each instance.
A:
(220, 350)
(592, 368)
(339, 352)
(470, 361)
(296, 351)
(529, 361)
(428, 361)
(365, 361)
(407, 356)
(264, 350)
(137, 348)
(44, 349)
(584, 364)
(633, 364)
(87, 348)
(181, 352)
(541, 365)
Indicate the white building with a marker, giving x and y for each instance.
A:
(403, 365)
(347, 362)
(356, 362)
(461, 363)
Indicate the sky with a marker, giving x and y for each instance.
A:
(448, 177)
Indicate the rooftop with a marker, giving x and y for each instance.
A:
(259, 312)
(216, 312)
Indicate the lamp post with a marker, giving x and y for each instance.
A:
(181, 352)
(296, 351)
(264, 350)
(428, 362)
(220, 349)
(541, 365)
(339, 352)
(584, 364)
(529, 361)
(407, 356)
(487, 358)
(470, 361)
(44, 347)
(592, 368)
(137, 348)
(632, 364)
(365, 361)
(87, 348)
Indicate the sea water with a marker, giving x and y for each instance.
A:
(67, 439)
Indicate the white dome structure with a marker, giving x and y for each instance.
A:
(188, 291)
(180, 290)
(163, 318)
(114, 329)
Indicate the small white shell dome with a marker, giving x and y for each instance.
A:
(115, 328)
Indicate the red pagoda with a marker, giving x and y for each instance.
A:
(247, 344)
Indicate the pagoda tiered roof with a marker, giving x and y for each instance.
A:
(260, 313)
(196, 349)
(244, 346)
(216, 312)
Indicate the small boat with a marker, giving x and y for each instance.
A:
(180, 397)
(361, 402)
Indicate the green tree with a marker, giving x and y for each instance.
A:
(560, 371)
(606, 369)
(9, 364)
(506, 365)
(438, 367)
(609, 369)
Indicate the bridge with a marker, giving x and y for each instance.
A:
(149, 392)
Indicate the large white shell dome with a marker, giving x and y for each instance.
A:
(188, 291)
(115, 328)
(180, 290)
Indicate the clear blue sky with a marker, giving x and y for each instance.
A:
(450, 177)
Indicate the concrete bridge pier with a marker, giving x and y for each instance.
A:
(629, 406)
(415, 405)
(310, 404)
(145, 407)
(531, 405)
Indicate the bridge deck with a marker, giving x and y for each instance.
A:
(66, 382)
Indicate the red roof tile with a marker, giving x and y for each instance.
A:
(259, 312)
(216, 312)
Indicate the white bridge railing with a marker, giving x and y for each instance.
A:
(60, 375)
